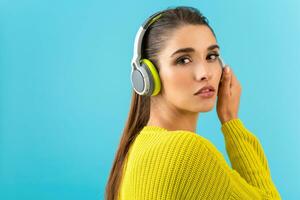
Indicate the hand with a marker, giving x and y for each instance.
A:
(228, 99)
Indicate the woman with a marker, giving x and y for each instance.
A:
(160, 156)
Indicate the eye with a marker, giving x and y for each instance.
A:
(183, 60)
(214, 56)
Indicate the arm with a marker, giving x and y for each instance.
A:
(247, 158)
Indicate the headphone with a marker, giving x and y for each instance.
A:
(144, 76)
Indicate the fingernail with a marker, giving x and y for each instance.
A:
(227, 69)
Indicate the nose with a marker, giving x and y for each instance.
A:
(202, 72)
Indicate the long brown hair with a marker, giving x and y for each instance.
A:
(154, 40)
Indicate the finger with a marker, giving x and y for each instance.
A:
(223, 84)
(222, 76)
(234, 80)
(226, 82)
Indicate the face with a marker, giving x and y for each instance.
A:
(183, 73)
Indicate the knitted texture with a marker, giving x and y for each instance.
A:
(180, 164)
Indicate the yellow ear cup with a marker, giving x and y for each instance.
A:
(157, 83)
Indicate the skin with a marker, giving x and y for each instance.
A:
(176, 107)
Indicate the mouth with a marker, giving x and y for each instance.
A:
(206, 90)
(206, 94)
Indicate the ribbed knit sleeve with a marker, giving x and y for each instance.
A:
(248, 160)
(179, 165)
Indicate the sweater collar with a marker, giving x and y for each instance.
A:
(154, 128)
(161, 129)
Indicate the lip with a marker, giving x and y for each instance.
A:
(205, 94)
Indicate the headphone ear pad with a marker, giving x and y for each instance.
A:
(154, 74)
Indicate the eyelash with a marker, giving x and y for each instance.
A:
(184, 57)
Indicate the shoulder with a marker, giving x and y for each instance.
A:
(192, 144)
(182, 162)
(177, 147)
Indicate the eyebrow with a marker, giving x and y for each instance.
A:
(190, 49)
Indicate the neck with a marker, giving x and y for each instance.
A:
(171, 118)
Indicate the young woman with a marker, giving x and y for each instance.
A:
(160, 156)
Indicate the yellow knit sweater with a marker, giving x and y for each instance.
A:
(180, 164)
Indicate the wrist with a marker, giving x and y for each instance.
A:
(224, 120)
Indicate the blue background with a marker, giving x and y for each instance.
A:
(65, 89)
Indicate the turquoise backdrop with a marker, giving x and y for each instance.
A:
(65, 88)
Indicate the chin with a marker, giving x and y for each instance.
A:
(206, 108)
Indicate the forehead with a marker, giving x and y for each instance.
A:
(197, 36)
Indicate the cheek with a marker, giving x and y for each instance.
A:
(217, 77)
(177, 83)
(219, 74)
